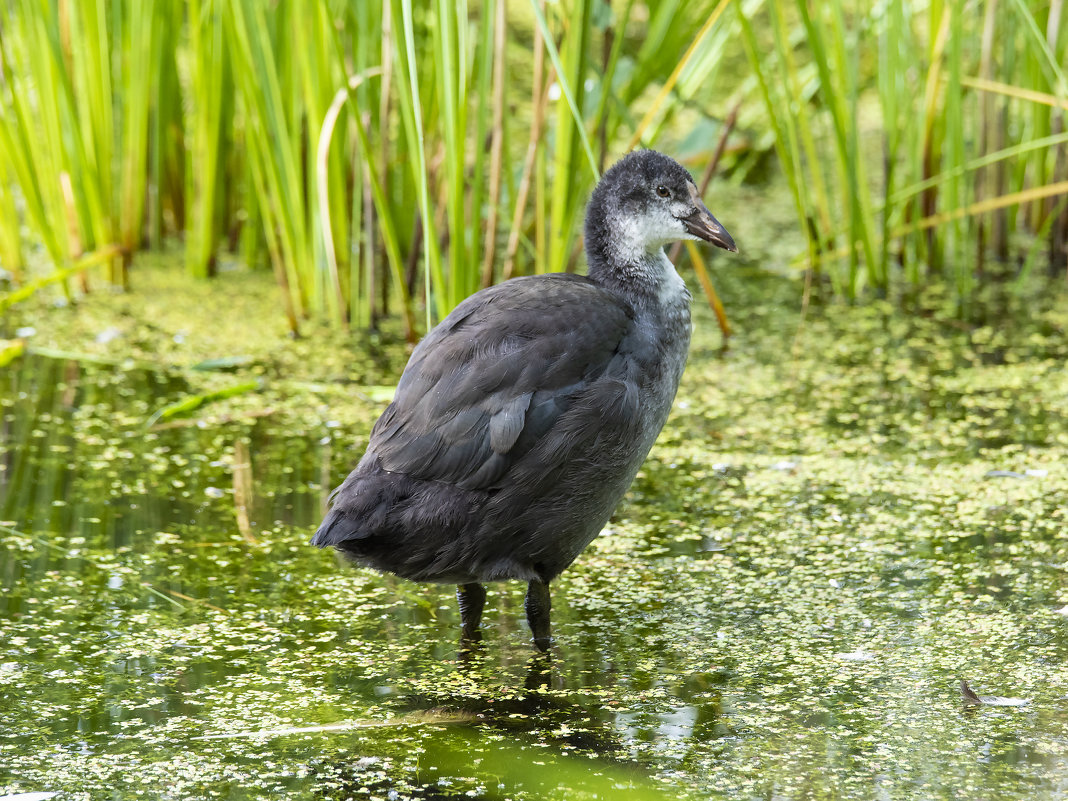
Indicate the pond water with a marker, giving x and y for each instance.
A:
(843, 519)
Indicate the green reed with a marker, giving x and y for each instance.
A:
(462, 153)
(963, 112)
(396, 156)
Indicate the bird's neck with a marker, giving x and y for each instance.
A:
(645, 277)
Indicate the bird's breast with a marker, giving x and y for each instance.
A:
(659, 351)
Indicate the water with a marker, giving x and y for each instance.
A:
(833, 531)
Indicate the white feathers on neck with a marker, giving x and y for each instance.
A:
(672, 289)
(638, 237)
(637, 249)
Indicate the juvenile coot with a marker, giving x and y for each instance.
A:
(522, 418)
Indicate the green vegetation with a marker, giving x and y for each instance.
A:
(920, 140)
(394, 157)
(818, 551)
(346, 143)
(847, 516)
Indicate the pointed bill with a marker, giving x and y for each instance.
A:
(704, 226)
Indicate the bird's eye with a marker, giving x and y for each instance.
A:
(663, 191)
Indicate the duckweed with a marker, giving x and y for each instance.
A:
(842, 521)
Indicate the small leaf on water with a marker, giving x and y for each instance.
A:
(855, 656)
(968, 694)
(970, 697)
(1003, 474)
(222, 363)
(191, 402)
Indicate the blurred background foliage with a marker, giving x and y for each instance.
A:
(393, 157)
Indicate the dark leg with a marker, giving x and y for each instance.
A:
(538, 606)
(472, 598)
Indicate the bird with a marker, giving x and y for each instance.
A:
(522, 418)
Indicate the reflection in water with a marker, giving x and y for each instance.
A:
(543, 706)
(537, 739)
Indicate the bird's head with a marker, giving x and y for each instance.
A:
(644, 201)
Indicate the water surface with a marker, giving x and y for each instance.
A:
(842, 520)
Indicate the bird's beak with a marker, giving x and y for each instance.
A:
(702, 224)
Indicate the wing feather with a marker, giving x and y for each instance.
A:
(495, 376)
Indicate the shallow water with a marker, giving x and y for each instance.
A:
(836, 527)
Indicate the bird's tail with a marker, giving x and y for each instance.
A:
(335, 528)
(361, 508)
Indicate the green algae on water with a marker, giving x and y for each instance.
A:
(835, 529)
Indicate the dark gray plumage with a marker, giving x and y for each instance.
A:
(522, 418)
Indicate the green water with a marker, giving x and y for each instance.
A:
(840, 522)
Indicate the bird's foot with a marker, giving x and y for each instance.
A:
(538, 605)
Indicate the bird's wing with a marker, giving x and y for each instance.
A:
(495, 377)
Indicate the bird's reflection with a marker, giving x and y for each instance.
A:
(491, 713)
(543, 707)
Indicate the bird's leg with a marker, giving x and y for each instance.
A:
(538, 606)
(472, 598)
